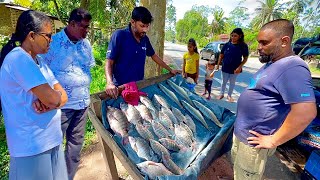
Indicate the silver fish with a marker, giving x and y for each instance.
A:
(182, 136)
(170, 94)
(153, 169)
(119, 115)
(189, 122)
(173, 167)
(160, 100)
(132, 113)
(165, 120)
(180, 91)
(158, 148)
(147, 102)
(177, 113)
(171, 116)
(117, 126)
(159, 130)
(142, 148)
(195, 113)
(170, 144)
(144, 132)
(207, 113)
(184, 126)
(144, 112)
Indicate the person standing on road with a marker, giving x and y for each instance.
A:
(275, 107)
(127, 52)
(31, 97)
(208, 78)
(190, 66)
(70, 58)
(234, 55)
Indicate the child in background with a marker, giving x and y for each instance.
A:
(208, 78)
(191, 61)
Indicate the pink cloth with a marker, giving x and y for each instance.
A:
(131, 93)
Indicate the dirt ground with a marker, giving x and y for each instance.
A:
(92, 167)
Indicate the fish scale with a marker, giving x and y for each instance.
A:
(116, 126)
(207, 113)
(159, 130)
(170, 115)
(170, 94)
(180, 91)
(132, 113)
(162, 101)
(165, 120)
(170, 144)
(144, 132)
(147, 102)
(158, 148)
(195, 113)
(173, 167)
(119, 115)
(189, 122)
(178, 114)
(153, 170)
(144, 112)
(182, 136)
(188, 130)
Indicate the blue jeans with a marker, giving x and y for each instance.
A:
(225, 78)
(49, 165)
(73, 123)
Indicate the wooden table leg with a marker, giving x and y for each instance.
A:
(109, 160)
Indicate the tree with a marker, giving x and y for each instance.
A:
(218, 22)
(156, 33)
(170, 22)
(238, 15)
(267, 11)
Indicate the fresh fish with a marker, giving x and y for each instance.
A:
(170, 94)
(195, 113)
(189, 122)
(207, 113)
(165, 120)
(173, 167)
(158, 148)
(132, 113)
(153, 169)
(159, 130)
(182, 136)
(160, 100)
(147, 102)
(142, 148)
(171, 116)
(170, 144)
(116, 126)
(180, 91)
(178, 115)
(119, 115)
(184, 126)
(144, 132)
(144, 112)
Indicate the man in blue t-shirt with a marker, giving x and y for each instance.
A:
(278, 104)
(127, 52)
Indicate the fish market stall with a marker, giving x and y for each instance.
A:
(172, 133)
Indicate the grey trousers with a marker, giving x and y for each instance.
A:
(73, 123)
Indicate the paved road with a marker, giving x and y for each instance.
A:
(274, 169)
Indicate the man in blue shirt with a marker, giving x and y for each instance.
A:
(278, 104)
(70, 59)
(127, 52)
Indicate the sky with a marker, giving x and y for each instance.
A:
(227, 5)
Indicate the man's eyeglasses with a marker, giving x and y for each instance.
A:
(47, 36)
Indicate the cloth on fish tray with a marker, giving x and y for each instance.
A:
(131, 93)
(208, 143)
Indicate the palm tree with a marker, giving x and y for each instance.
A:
(268, 11)
(218, 22)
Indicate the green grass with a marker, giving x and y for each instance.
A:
(4, 154)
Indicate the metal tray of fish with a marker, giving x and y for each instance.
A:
(172, 134)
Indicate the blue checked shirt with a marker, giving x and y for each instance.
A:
(71, 63)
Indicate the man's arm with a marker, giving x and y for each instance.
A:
(298, 119)
(111, 89)
(161, 63)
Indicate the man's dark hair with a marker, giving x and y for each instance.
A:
(79, 14)
(142, 14)
(283, 27)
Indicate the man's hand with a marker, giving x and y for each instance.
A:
(173, 71)
(217, 68)
(39, 107)
(261, 141)
(238, 70)
(112, 90)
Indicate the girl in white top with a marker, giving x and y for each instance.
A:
(208, 78)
